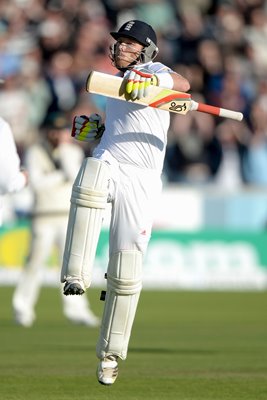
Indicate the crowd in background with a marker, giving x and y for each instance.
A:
(48, 47)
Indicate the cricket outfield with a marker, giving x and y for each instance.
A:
(186, 345)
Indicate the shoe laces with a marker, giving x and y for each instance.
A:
(111, 358)
(110, 366)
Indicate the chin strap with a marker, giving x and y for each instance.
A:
(129, 66)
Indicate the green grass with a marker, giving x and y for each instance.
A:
(184, 346)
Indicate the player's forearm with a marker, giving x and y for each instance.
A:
(180, 83)
(172, 81)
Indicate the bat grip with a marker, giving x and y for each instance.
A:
(221, 112)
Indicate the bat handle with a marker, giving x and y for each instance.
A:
(221, 112)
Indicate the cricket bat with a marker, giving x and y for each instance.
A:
(161, 98)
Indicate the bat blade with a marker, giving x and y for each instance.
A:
(161, 98)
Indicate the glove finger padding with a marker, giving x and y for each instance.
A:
(96, 118)
(139, 82)
(78, 123)
(88, 128)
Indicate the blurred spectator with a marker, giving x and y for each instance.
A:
(255, 163)
(39, 96)
(60, 83)
(52, 163)
(15, 107)
(256, 36)
(194, 154)
(228, 26)
(54, 32)
(212, 65)
(233, 136)
(244, 149)
(91, 49)
(192, 32)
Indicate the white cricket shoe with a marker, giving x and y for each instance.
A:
(107, 370)
(24, 319)
(89, 320)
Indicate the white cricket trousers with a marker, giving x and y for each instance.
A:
(134, 194)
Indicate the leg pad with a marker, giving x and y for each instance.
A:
(88, 203)
(124, 284)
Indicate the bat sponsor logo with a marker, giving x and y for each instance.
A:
(177, 107)
(175, 99)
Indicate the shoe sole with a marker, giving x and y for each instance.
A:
(72, 289)
(105, 384)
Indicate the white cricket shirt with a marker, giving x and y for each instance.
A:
(135, 134)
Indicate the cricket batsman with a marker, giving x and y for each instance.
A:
(125, 170)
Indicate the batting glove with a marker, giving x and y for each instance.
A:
(87, 129)
(139, 82)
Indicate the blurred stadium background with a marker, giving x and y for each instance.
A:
(208, 253)
(210, 231)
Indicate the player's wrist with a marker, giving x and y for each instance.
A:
(165, 80)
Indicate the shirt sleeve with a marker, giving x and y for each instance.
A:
(11, 178)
